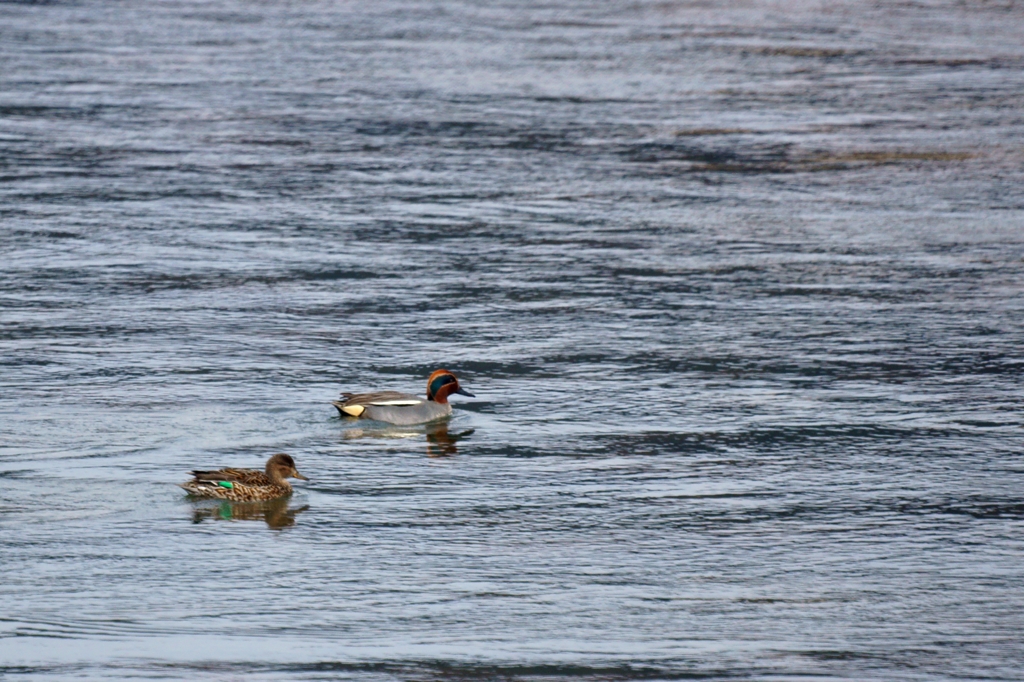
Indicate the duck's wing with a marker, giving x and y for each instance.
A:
(243, 492)
(214, 489)
(354, 404)
(246, 476)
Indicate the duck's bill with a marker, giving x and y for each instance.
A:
(463, 391)
(300, 476)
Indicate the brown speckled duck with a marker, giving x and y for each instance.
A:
(246, 485)
(404, 408)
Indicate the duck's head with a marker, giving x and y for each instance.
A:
(282, 466)
(442, 384)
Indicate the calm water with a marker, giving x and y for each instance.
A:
(739, 287)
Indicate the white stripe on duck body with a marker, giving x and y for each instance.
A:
(246, 485)
(404, 409)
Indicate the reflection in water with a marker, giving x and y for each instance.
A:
(440, 443)
(275, 512)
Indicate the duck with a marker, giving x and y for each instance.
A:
(246, 485)
(404, 409)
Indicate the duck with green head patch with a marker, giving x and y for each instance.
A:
(404, 408)
(246, 485)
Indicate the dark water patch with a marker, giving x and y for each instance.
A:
(580, 100)
(334, 274)
(273, 142)
(750, 159)
(800, 51)
(778, 158)
(656, 443)
(702, 132)
(129, 280)
(899, 365)
(845, 513)
(953, 62)
(225, 17)
(840, 655)
(77, 196)
(39, 111)
(498, 369)
(68, 331)
(432, 669)
(431, 130)
(978, 508)
(37, 669)
(48, 234)
(848, 160)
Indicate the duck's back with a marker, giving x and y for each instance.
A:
(393, 407)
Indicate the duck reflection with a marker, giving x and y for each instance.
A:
(440, 441)
(275, 513)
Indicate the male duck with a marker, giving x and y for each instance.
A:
(404, 409)
(246, 485)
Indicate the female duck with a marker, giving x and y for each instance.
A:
(246, 485)
(404, 409)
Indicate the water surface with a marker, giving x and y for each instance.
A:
(738, 287)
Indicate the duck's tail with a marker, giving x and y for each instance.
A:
(346, 410)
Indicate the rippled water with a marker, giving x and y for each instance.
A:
(738, 287)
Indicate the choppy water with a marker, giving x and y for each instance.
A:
(738, 287)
